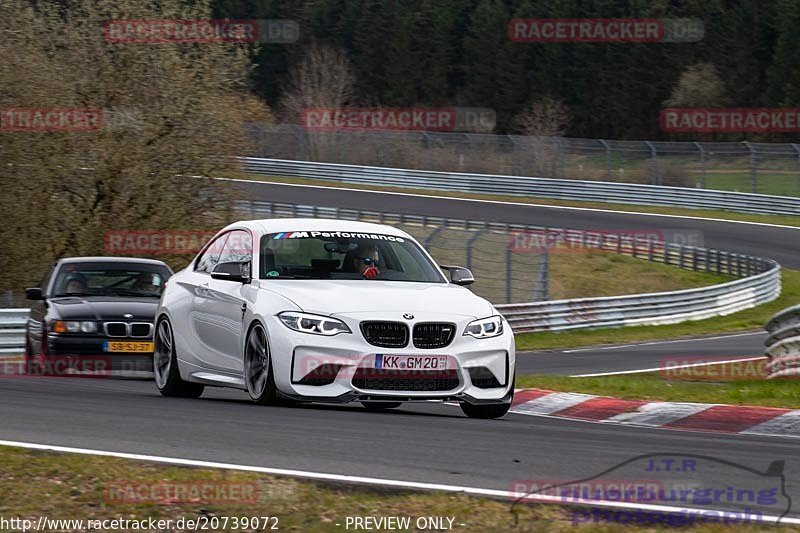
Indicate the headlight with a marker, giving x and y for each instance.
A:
(485, 327)
(74, 326)
(318, 325)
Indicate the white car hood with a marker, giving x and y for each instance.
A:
(328, 297)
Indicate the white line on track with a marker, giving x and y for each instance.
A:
(643, 370)
(502, 202)
(652, 343)
(492, 493)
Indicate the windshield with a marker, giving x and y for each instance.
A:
(344, 255)
(110, 279)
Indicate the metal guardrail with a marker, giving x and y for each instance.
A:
(765, 168)
(564, 189)
(783, 344)
(12, 330)
(759, 281)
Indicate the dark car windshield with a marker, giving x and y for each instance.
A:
(344, 255)
(110, 279)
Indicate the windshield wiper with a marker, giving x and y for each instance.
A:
(126, 292)
(64, 295)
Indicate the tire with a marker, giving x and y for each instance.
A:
(258, 375)
(30, 360)
(491, 410)
(165, 366)
(380, 406)
(35, 363)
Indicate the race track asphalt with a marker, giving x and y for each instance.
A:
(417, 442)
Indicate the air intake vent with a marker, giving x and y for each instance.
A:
(405, 380)
(483, 378)
(385, 334)
(433, 334)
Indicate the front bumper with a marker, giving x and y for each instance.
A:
(332, 369)
(87, 350)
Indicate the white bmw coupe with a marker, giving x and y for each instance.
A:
(331, 311)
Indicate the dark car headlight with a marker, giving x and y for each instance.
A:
(74, 326)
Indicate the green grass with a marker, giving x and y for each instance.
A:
(709, 213)
(602, 273)
(65, 486)
(654, 386)
(747, 320)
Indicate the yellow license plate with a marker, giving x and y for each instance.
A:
(131, 347)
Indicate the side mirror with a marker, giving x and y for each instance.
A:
(459, 275)
(238, 271)
(34, 293)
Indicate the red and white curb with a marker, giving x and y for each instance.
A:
(717, 418)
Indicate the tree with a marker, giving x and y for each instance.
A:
(177, 110)
(699, 85)
(545, 117)
(322, 79)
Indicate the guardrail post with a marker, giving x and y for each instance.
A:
(516, 169)
(654, 156)
(753, 163)
(428, 149)
(471, 244)
(508, 274)
(681, 251)
(702, 165)
(608, 158)
(435, 233)
(540, 291)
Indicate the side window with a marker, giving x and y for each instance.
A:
(210, 257)
(238, 247)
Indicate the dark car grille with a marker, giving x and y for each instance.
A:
(433, 334)
(125, 329)
(116, 329)
(140, 329)
(483, 378)
(404, 380)
(385, 334)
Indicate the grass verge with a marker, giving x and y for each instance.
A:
(65, 486)
(701, 384)
(677, 211)
(590, 273)
(749, 319)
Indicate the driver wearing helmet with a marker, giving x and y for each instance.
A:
(75, 283)
(145, 282)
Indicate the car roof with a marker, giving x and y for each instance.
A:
(113, 259)
(276, 225)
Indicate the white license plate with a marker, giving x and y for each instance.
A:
(412, 362)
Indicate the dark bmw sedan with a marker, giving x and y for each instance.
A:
(94, 315)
